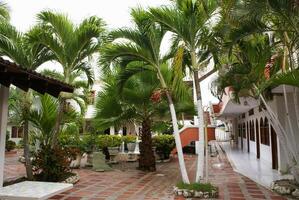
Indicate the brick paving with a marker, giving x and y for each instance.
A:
(131, 184)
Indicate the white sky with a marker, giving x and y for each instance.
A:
(114, 12)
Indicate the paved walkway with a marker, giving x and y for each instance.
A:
(135, 185)
(256, 169)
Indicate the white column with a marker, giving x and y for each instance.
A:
(3, 124)
(112, 130)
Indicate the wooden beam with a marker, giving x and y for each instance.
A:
(207, 75)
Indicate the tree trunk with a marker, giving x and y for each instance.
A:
(28, 165)
(200, 117)
(177, 138)
(147, 160)
(58, 122)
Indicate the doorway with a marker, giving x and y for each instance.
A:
(257, 133)
(274, 149)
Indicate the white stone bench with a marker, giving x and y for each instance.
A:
(31, 190)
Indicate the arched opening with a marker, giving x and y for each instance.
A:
(257, 133)
(274, 149)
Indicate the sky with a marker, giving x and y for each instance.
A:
(114, 12)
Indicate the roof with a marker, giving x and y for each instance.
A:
(11, 73)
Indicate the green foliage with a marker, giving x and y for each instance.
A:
(51, 164)
(128, 139)
(10, 145)
(164, 145)
(89, 142)
(202, 187)
(71, 141)
(104, 141)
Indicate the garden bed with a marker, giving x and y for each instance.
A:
(196, 190)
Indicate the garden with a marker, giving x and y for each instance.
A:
(252, 45)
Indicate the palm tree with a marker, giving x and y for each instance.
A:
(142, 44)
(189, 21)
(4, 12)
(128, 100)
(72, 46)
(16, 46)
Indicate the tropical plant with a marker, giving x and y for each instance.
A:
(142, 44)
(17, 47)
(71, 46)
(4, 12)
(164, 145)
(104, 141)
(129, 139)
(189, 21)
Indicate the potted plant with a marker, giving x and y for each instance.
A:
(112, 142)
(89, 145)
(164, 145)
(130, 140)
(75, 144)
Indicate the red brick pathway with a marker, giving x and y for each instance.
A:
(134, 185)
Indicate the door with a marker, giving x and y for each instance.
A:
(274, 149)
(257, 141)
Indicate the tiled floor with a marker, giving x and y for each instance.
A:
(132, 184)
(13, 168)
(256, 169)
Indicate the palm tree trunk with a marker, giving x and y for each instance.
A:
(200, 118)
(177, 138)
(58, 122)
(147, 160)
(28, 165)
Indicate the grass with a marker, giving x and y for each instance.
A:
(202, 187)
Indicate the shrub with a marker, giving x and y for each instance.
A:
(20, 144)
(164, 145)
(72, 141)
(52, 164)
(129, 139)
(89, 142)
(202, 187)
(108, 141)
(10, 145)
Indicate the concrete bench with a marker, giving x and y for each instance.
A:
(31, 190)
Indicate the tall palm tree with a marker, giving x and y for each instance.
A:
(128, 100)
(16, 46)
(143, 44)
(71, 46)
(189, 21)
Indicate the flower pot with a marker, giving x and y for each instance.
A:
(89, 159)
(76, 163)
(131, 146)
(113, 151)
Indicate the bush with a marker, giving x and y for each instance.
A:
(89, 142)
(72, 141)
(164, 145)
(20, 144)
(129, 139)
(52, 165)
(104, 141)
(10, 145)
(202, 187)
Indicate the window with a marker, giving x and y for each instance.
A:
(243, 115)
(264, 130)
(17, 132)
(251, 112)
(252, 137)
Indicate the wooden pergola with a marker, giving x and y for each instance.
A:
(13, 74)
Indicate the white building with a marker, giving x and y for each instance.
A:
(251, 129)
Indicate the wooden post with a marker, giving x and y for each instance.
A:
(4, 92)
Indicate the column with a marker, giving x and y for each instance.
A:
(3, 124)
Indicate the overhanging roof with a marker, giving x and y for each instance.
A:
(11, 73)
